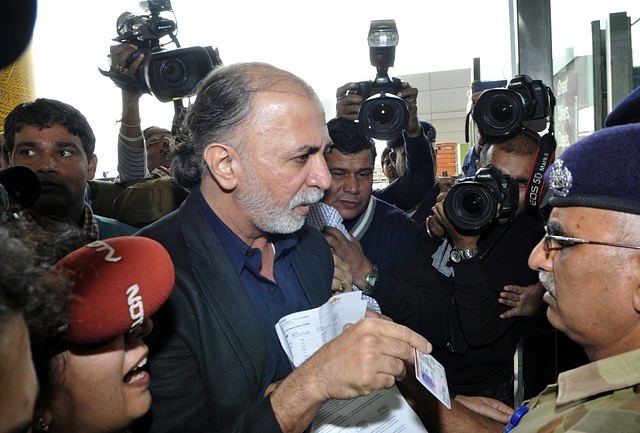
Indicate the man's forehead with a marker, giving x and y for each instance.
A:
(361, 160)
(581, 218)
(55, 133)
(510, 163)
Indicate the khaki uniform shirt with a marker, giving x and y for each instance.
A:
(600, 397)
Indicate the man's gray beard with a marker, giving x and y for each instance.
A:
(265, 212)
(546, 279)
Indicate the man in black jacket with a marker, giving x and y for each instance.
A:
(244, 258)
(479, 265)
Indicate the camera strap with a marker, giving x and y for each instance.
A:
(536, 200)
(126, 83)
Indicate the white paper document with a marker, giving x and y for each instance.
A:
(383, 411)
(302, 333)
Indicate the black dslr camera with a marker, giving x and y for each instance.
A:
(167, 75)
(383, 115)
(472, 203)
(498, 112)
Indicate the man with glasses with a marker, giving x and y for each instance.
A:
(589, 265)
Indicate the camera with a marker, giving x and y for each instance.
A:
(498, 112)
(166, 74)
(472, 203)
(383, 115)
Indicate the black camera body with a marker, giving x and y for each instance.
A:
(472, 203)
(498, 112)
(168, 75)
(383, 114)
(366, 89)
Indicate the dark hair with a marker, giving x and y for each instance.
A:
(27, 253)
(43, 113)
(224, 102)
(348, 138)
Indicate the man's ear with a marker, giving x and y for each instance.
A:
(91, 167)
(42, 417)
(224, 165)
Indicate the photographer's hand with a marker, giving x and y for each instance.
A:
(410, 96)
(460, 242)
(348, 104)
(120, 54)
(526, 301)
(130, 119)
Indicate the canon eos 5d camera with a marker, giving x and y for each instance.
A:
(498, 112)
(383, 115)
(472, 203)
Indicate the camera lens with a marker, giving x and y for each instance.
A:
(383, 116)
(174, 74)
(173, 71)
(470, 205)
(498, 112)
(382, 113)
(502, 110)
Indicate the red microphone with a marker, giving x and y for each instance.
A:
(117, 283)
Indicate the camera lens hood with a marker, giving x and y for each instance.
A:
(498, 112)
(383, 116)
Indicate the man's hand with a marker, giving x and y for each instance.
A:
(351, 252)
(445, 184)
(348, 103)
(460, 242)
(492, 409)
(410, 96)
(342, 278)
(367, 356)
(120, 54)
(525, 300)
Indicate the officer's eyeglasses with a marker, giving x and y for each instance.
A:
(557, 242)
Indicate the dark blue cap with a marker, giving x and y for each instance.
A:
(627, 110)
(600, 171)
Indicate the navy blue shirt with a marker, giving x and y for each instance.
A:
(272, 299)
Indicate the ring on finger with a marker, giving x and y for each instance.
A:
(343, 287)
(121, 68)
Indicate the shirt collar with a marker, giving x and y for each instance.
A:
(236, 248)
(609, 374)
(90, 225)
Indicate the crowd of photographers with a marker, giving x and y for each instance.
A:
(251, 206)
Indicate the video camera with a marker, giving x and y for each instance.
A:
(472, 203)
(383, 115)
(498, 112)
(167, 75)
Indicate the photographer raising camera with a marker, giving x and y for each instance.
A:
(482, 238)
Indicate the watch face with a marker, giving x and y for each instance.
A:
(456, 256)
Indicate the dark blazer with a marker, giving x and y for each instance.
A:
(208, 346)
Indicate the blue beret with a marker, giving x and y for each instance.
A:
(627, 110)
(600, 171)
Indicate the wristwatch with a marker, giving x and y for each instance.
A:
(458, 256)
(371, 280)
